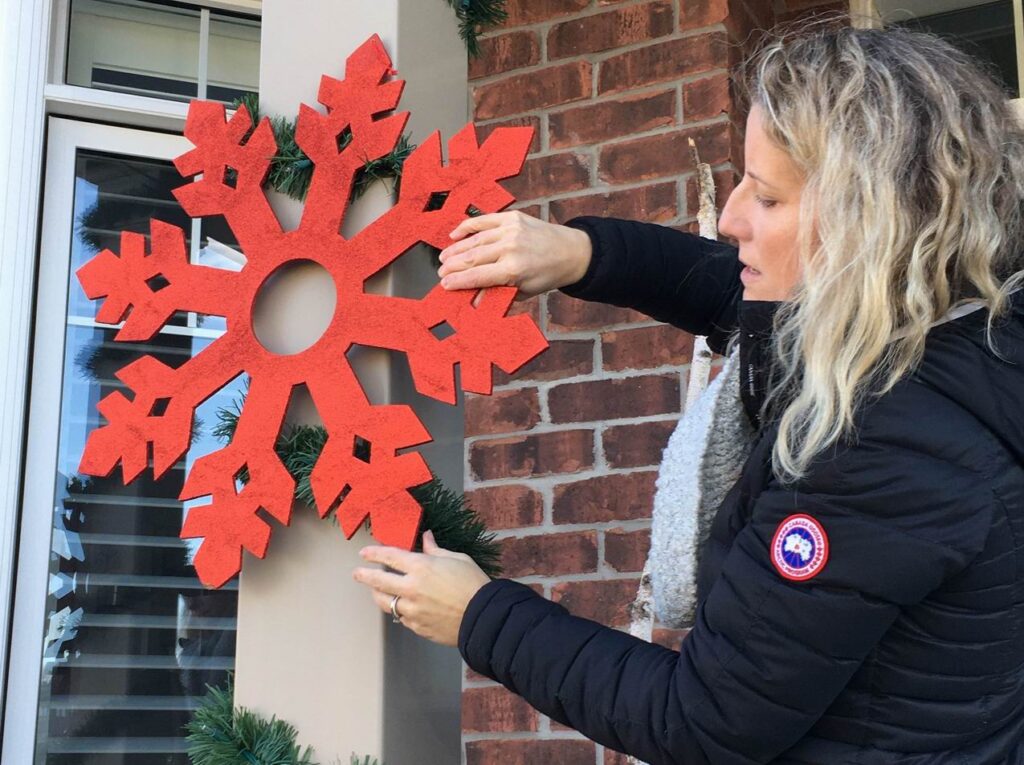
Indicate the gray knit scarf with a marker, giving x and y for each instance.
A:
(702, 461)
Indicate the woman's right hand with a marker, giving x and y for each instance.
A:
(516, 250)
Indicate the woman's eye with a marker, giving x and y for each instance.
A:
(768, 203)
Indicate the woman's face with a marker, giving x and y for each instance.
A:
(762, 214)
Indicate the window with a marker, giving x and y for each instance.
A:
(988, 30)
(164, 50)
(115, 638)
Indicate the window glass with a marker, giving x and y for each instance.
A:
(152, 49)
(984, 29)
(131, 638)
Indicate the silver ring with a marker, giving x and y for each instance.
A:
(395, 616)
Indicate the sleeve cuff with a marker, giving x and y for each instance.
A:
(579, 288)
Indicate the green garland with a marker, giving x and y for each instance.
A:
(473, 14)
(221, 734)
(446, 513)
(291, 171)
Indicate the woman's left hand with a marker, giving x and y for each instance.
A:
(434, 586)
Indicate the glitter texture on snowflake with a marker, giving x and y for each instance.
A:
(358, 126)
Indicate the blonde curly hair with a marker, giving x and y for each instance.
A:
(914, 181)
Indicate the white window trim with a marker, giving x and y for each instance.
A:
(125, 108)
(66, 137)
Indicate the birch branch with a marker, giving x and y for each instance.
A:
(641, 613)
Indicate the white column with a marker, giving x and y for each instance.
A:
(24, 30)
(312, 647)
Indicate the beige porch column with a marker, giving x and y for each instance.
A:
(312, 648)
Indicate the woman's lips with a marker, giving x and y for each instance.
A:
(749, 274)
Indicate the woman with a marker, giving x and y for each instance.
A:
(861, 595)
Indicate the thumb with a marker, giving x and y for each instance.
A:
(430, 547)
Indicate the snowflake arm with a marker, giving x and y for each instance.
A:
(150, 288)
(377, 486)
(229, 524)
(160, 412)
(234, 169)
(351, 134)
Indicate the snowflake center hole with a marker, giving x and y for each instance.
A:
(294, 307)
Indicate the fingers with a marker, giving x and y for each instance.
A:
(479, 256)
(487, 275)
(385, 581)
(469, 243)
(480, 223)
(394, 557)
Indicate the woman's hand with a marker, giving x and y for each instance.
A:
(515, 250)
(435, 587)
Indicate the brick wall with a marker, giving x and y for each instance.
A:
(561, 460)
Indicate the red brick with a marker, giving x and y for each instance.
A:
(615, 497)
(627, 550)
(637, 396)
(646, 347)
(563, 358)
(561, 451)
(598, 122)
(551, 174)
(541, 88)
(568, 314)
(668, 638)
(549, 554)
(496, 710)
(473, 676)
(507, 411)
(604, 601)
(611, 757)
(639, 445)
(531, 752)
(652, 203)
(725, 182)
(483, 131)
(507, 507)
(614, 29)
(503, 53)
(531, 11)
(694, 14)
(706, 98)
(656, 156)
(663, 61)
(530, 306)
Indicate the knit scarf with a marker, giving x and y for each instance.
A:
(701, 462)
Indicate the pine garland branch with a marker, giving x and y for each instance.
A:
(472, 14)
(220, 734)
(291, 171)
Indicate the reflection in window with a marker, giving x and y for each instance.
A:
(153, 49)
(131, 638)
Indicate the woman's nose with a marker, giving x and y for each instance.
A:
(727, 221)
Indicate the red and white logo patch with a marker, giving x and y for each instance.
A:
(799, 548)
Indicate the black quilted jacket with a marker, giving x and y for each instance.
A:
(906, 645)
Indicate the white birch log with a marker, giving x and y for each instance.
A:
(641, 613)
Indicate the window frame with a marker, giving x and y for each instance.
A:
(65, 138)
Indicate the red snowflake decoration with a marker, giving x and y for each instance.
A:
(160, 413)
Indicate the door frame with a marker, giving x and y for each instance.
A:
(64, 139)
